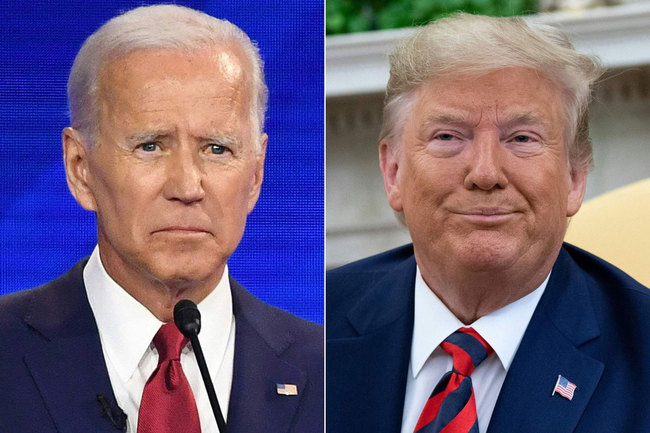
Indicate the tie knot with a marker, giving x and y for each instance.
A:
(467, 349)
(169, 342)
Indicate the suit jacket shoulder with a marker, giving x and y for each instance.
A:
(353, 286)
(369, 327)
(278, 327)
(52, 361)
(591, 327)
(274, 349)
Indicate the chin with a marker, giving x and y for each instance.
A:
(488, 252)
(186, 279)
(186, 271)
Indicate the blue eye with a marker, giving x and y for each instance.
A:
(522, 139)
(149, 147)
(217, 149)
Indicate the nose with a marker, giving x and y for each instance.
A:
(485, 166)
(185, 175)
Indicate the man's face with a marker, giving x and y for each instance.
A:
(482, 174)
(174, 171)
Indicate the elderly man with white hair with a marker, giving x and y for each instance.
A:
(487, 322)
(167, 148)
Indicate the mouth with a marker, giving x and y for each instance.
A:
(487, 215)
(486, 211)
(181, 230)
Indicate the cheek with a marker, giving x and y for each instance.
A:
(430, 179)
(230, 193)
(104, 187)
(546, 191)
(424, 186)
(125, 192)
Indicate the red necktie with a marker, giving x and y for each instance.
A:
(168, 404)
(451, 408)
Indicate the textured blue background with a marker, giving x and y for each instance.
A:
(43, 231)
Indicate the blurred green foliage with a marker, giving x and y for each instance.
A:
(348, 16)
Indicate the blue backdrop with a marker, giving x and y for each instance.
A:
(43, 231)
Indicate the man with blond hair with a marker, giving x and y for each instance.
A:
(167, 148)
(487, 322)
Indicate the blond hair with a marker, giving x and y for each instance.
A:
(476, 45)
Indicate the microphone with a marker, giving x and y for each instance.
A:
(188, 320)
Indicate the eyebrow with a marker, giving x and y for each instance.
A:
(508, 121)
(529, 118)
(144, 137)
(446, 118)
(224, 140)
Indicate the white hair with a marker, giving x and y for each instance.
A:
(476, 45)
(156, 27)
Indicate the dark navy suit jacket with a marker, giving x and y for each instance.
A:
(592, 326)
(52, 366)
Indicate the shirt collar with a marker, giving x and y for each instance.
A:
(126, 327)
(503, 329)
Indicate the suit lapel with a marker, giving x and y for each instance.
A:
(69, 378)
(255, 404)
(562, 323)
(69, 368)
(372, 368)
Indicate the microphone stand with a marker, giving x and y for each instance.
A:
(212, 395)
(188, 320)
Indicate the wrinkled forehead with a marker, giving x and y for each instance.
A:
(226, 65)
(500, 96)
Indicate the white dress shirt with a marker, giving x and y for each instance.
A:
(126, 330)
(433, 322)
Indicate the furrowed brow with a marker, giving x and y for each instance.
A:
(446, 118)
(223, 140)
(144, 137)
(529, 118)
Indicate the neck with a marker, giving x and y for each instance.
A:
(470, 295)
(157, 295)
(161, 301)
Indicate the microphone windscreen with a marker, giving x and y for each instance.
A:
(187, 318)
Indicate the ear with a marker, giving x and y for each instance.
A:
(577, 186)
(75, 160)
(256, 187)
(389, 163)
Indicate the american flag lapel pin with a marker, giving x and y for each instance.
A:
(564, 387)
(286, 389)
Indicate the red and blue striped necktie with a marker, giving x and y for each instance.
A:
(451, 408)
